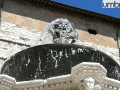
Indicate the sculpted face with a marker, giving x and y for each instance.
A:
(90, 82)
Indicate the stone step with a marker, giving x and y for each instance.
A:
(9, 49)
(23, 31)
(15, 33)
(12, 39)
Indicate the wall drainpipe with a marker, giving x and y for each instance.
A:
(1, 7)
(118, 43)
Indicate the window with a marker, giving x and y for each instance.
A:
(91, 31)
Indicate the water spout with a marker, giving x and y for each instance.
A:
(59, 31)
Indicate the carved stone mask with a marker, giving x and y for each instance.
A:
(90, 82)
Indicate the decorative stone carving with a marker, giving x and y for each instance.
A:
(59, 31)
(97, 87)
(4, 88)
(64, 82)
(88, 84)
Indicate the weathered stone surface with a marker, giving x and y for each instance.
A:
(25, 14)
(113, 52)
(14, 38)
(87, 80)
(1, 63)
(19, 34)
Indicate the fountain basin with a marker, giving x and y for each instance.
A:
(45, 61)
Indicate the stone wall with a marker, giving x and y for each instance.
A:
(31, 15)
(14, 38)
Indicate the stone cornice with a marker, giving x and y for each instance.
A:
(76, 11)
(71, 81)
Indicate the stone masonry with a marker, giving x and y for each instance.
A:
(24, 13)
(14, 38)
(79, 79)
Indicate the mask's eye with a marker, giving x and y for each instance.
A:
(87, 82)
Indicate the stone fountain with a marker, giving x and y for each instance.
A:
(58, 53)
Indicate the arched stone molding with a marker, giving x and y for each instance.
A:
(84, 76)
(84, 70)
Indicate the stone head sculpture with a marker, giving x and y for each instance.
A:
(89, 83)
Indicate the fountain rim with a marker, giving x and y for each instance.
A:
(58, 45)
